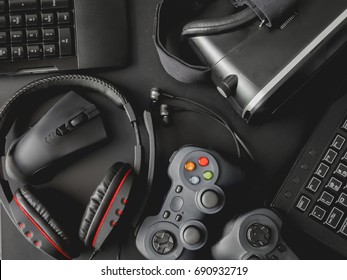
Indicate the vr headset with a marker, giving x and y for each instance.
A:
(259, 56)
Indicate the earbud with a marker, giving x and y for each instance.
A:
(165, 114)
(155, 97)
(164, 109)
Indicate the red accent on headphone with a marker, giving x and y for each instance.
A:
(40, 229)
(109, 206)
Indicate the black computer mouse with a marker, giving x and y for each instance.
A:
(70, 126)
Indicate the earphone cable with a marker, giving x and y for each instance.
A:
(218, 118)
(236, 138)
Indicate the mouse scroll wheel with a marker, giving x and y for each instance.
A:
(78, 120)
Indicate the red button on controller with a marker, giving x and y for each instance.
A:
(203, 161)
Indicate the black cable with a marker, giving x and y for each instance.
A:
(118, 252)
(93, 255)
(216, 117)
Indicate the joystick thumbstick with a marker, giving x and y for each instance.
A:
(192, 235)
(258, 235)
(210, 199)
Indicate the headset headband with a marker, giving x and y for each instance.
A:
(9, 111)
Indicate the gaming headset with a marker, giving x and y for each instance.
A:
(106, 204)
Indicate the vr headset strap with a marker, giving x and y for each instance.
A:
(173, 65)
(270, 12)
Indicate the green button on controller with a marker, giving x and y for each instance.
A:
(208, 175)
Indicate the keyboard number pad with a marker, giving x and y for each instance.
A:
(328, 186)
(39, 29)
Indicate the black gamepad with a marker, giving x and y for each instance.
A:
(200, 178)
(255, 235)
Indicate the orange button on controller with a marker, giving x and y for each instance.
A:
(189, 166)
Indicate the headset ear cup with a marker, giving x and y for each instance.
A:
(106, 205)
(39, 227)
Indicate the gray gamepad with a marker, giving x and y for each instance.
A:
(200, 178)
(253, 236)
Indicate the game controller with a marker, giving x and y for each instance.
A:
(200, 180)
(253, 236)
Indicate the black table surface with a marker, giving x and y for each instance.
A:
(275, 143)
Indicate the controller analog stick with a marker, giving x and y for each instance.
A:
(210, 199)
(163, 242)
(192, 235)
(258, 235)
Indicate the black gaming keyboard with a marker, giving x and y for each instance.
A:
(314, 195)
(31, 29)
(38, 36)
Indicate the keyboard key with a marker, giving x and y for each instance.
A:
(341, 170)
(64, 18)
(3, 53)
(303, 203)
(326, 198)
(3, 38)
(338, 142)
(314, 184)
(322, 170)
(22, 5)
(34, 52)
(3, 22)
(65, 41)
(33, 36)
(17, 52)
(48, 35)
(318, 213)
(50, 50)
(17, 36)
(32, 20)
(344, 126)
(343, 228)
(330, 156)
(16, 21)
(344, 158)
(54, 4)
(334, 184)
(342, 199)
(47, 19)
(2, 6)
(334, 218)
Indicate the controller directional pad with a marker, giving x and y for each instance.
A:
(163, 242)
